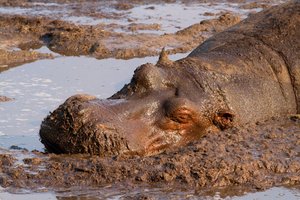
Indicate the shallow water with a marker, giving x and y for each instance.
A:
(170, 16)
(111, 193)
(174, 17)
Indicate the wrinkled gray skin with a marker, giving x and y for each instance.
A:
(245, 74)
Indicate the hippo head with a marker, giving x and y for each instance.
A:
(167, 104)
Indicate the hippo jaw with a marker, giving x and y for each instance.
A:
(145, 117)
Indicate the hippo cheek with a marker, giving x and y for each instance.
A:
(136, 133)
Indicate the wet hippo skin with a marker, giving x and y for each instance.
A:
(248, 73)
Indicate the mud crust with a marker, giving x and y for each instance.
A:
(4, 99)
(253, 157)
(70, 39)
(10, 59)
(26, 32)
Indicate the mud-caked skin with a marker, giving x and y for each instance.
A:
(245, 74)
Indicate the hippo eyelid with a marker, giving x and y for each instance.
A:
(181, 115)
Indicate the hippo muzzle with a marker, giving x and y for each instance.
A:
(78, 126)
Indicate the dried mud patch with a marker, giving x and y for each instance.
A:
(53, 24)
(69, 39)
(10, 59)
(4, 99)
(254, 157)
(254, 5)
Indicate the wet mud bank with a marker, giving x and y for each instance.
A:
(254, 157)
(4, 98)
(10, 59)
(70, 39)
(104, 29)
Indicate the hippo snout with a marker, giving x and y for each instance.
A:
(75, 127)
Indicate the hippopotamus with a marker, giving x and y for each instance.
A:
(245, 74)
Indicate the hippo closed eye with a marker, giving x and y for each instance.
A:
(247, 73)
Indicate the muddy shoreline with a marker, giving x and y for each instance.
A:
(4, 99)
(26, 32)
(73, 40)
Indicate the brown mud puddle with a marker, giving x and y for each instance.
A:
(246, 159)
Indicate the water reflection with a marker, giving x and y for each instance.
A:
(279, 193)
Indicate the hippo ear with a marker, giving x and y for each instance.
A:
(224, 119)
(163, 58)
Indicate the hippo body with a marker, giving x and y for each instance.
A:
(248, 73)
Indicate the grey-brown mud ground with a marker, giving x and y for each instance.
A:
(253, 157)
(29, 32)
(69, 39)
(4, 98)
(257, 156)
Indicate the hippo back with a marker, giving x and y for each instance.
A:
(263, 50)
(272, 35)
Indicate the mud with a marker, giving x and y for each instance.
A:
(250, 158)
(254, 157)
(101, 40)
(10, 59)
(254, 5)
(70, 39)
(4, 98)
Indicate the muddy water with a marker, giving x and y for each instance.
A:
(169, 17)
(109, 193)
(174, 17)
